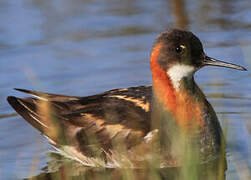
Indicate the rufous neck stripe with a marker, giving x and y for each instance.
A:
(184, 108)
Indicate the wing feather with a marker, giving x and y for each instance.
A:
(89, 124)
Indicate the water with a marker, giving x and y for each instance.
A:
(84, 47)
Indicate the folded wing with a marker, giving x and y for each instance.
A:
(91, 126)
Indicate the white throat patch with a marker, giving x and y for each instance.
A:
(179, 71)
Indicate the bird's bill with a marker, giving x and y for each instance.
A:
(208, 61)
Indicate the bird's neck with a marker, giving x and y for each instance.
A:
(175, 97)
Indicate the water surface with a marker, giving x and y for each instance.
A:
(84, 47)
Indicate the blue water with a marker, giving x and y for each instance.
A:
(83, 47)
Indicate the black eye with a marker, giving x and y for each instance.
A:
(180, 48)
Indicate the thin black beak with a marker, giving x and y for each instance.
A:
(208, 61)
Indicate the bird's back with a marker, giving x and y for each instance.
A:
(92, 126)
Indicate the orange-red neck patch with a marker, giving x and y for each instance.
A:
(185, 109)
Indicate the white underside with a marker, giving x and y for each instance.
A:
(177, 72)
(114, 161)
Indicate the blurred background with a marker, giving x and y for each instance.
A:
(83, 47)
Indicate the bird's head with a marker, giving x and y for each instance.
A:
(180, 53)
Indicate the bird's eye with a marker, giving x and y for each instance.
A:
(179, 49)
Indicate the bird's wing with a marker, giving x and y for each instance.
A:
(119, 116)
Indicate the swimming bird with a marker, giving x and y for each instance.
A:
(128, 126)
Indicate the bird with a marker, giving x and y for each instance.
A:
(130, 127)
